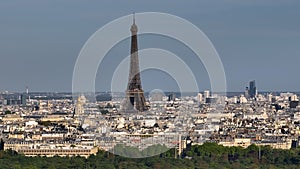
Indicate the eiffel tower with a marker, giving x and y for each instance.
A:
(135, 99)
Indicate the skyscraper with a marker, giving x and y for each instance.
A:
(23, 99)
(135, 99)
(206, 94)
(247, 92)
(252, 89)
(200, 97)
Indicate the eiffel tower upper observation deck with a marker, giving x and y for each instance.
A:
(135, 99)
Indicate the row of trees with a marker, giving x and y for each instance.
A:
(208, 155)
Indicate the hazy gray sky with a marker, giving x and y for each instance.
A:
(40, 41)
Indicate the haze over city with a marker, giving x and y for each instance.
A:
(256, 40)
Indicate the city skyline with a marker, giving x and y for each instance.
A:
(41, 42)
(154, 84)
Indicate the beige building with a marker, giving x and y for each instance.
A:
(31, 149)
(12, 118)
(53, 118)
(277, 145)
(83, 152)
(16, 136)
(243, 142)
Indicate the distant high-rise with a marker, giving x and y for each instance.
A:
(252, 89)
(200, 97)
(135, 99)
(172, 97)
(206, 94)
(23, 99)
(247, 92)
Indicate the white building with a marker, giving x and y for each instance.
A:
(200, 97)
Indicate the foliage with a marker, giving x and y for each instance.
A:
(134, 152)
(44, 123)
(208, 155)
(104, 112)
(8, 112)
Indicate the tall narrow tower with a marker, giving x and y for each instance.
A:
(135, 99)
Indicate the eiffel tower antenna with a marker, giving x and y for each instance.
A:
(133, 18)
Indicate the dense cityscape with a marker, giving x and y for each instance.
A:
(52, 124)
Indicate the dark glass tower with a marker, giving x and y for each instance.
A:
(252, 89)
(135, 99)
